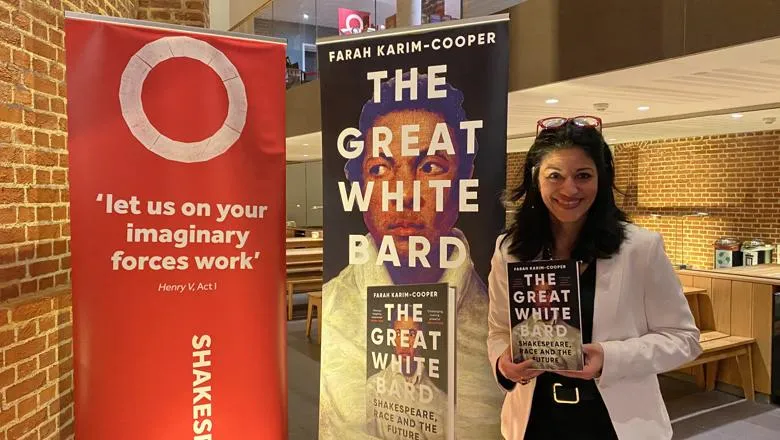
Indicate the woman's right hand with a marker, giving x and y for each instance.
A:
(521, 373)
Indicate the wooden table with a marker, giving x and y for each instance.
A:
(692, 293)
(303, 242)
(303, 255)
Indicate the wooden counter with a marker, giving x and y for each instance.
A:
(763, 273)
(738, 302)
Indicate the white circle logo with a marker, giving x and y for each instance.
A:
(348, 23)
(135, 74)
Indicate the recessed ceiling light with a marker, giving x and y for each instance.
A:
(305, 155)
(737, 115)
(611, 139)
(643, 108)
(305, 16)
(305, 145)
(551, 101)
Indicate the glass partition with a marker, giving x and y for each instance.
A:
(301, 22)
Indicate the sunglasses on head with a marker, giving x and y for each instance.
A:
(559, 121)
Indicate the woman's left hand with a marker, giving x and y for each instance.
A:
(594, 361)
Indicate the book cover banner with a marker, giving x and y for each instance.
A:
(177, 161)
(544, 313)
(414, 166)
(409, 374)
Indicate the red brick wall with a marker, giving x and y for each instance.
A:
(116, 8)
(36, 344)
(36, 338)
(514, 177)
(186, 12)
(734, 178)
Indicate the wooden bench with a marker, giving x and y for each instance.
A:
(301, 284)
(304, 273)
(315, 301)
(717, 346)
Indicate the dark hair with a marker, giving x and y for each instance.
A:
(450, 108)
(604, 228)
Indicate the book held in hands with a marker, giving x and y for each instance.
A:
(410, 362)
(544, 314)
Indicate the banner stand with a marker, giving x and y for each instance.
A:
(176, 140)
(414, 126)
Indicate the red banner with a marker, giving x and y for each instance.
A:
(177, 161)
(353, 22)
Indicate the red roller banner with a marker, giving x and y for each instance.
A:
(352, 21)
(177, 169)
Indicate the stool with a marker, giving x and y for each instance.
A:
(315, 300)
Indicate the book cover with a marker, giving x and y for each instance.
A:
(544, 314)
(410, 361)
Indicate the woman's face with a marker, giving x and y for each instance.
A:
(568, 181)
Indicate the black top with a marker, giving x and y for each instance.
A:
(587, 300)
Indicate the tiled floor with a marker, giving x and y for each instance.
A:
(739, 420)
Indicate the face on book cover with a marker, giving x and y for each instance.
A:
(404, 340)
(427, 222)
(543, 301)
(568, 182)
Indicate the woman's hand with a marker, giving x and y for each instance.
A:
(594, 361)
(521, 372)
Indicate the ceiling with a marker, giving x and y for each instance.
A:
(326, 11)
(688, 96)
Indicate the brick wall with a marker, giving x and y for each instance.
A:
(734, 178)
(36, 344)
(514, 177)
(37, 375)
(186, 12)
(116, 8)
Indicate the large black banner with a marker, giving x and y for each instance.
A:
(414, 157)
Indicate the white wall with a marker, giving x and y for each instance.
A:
(480, 8)
(239, 9)
(219, 14)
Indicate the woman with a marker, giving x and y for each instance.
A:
(635, 320)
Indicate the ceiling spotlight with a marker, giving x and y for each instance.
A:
(737, 115)
(305, 16)
(305, 145)
(611, 139)
(643, 108)
(305, 155)
(601, 106)
(551, 101)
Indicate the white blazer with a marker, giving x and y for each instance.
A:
(640, 317)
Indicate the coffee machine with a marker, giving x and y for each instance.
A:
(755, 252)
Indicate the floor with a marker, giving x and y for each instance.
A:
(737, 420)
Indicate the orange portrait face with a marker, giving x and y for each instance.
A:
(426, 222)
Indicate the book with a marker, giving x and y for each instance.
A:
(544, 314)
(410, 361)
